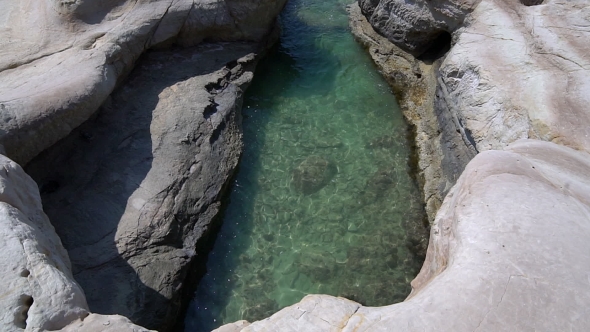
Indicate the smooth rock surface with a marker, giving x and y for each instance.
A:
(54, 79)
(37, 290)
(133, 191)
(515, 70)
(507, 253)
(521, 71)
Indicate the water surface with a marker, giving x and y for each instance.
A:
(323, 201)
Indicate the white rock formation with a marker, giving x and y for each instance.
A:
(59, 60)
(520, 71)
(37, 290)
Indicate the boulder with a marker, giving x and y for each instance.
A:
(416, 25)
(312, 174)
(133, 192)
(53, 80)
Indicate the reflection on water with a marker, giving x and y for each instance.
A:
(323, 202)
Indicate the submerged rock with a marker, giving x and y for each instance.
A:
(313, 174)
(377, 185)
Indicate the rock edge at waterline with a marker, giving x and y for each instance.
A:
(38, 291)
(516, 268)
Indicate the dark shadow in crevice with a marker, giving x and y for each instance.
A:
(531, 2)
(437, 48)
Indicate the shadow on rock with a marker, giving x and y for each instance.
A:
(132, 192)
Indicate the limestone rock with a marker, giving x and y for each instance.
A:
(416, 25)
(517, 70)
(314, 173)
(313, 314)
(233, 327)
(53, 80)
(132, 193)
(521, 71)
(103, 323)
(37, 290)
(507, 252)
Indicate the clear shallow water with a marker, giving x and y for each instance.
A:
(318, 114)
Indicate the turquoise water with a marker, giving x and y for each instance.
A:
(323, 201)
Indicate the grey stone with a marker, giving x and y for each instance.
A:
(416, 25)
(133, 191)
(53, 80)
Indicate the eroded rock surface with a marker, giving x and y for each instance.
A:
(441, 151)
(514, 71)
(54, 79)
(37, 290)
(416, 25)
(132, 192)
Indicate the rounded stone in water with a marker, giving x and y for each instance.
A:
(313, 174)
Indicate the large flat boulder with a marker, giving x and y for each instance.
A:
(520, 71)
(59, 60)
(508, 252)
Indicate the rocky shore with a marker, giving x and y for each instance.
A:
(130, 126)
(496, 92)
(127, 115)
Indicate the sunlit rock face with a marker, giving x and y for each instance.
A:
(56, 78)
(507, 252)
(37, 287)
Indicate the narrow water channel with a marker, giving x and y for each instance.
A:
(323, 201)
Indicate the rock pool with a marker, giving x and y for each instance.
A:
(323, 201)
